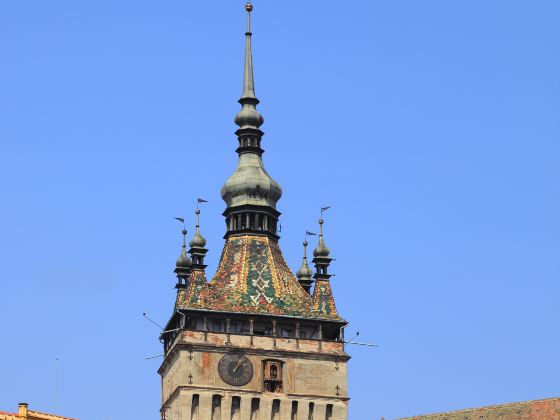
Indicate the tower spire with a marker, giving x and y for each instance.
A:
(249, 119)
(250, 193)
(248, 81)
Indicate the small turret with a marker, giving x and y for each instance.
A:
(305, 274)
(323, 301)
(321, 254)
(197, 244)
(183, 264)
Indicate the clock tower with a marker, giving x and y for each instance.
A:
(255, 342)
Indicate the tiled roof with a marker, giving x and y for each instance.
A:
(548, 409)
(323, 300)
(36, 415)
(196, 289)
(253, 277)
(32, 415)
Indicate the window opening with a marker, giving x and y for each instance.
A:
(255, 408)
(275, 410)
(194, 407)
(328, 413)
(216, 326)
(294, 410)
(216, 407)
(259, 328)
(236, 408)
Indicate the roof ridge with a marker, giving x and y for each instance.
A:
(486, 407)
(50, 415)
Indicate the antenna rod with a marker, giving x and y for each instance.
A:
(361, 344)
(153, 357)
(57, 384)
(152, 321)
(168, 331)
(353, 338)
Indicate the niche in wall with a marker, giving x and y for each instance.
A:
(272, 376)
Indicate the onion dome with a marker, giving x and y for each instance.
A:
(251, 184)
(249, 117)
(304, 271)
(197, 241)
(183, 261)
(321, 250)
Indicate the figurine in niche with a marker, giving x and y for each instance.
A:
(273, 376)
(273, 372)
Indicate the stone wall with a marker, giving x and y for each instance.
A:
(313, 372)
(201, 404)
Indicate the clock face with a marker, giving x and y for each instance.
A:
(235, 369)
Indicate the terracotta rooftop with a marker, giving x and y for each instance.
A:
(31, 415)
(253, 277)
(548, 409)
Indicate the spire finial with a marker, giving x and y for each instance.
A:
(249, 8)
(248, 81)
(249, 119)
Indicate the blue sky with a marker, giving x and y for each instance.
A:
(431, 128)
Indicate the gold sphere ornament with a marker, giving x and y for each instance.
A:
(249, 7)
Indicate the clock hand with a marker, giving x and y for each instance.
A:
(236, 367)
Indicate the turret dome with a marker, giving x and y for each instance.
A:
(197, 241)
(249, 117)
(183, 261)
(321, 250)
(251, 184)
(304, 270)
